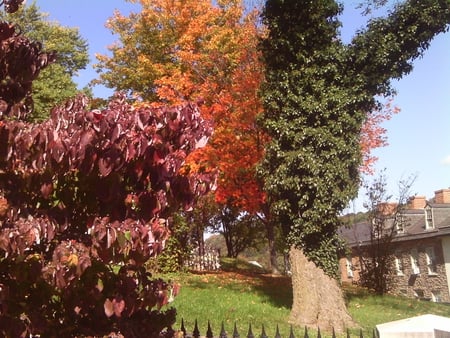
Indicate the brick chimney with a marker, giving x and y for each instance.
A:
(387, 208)
(442, 196)
(417, 202)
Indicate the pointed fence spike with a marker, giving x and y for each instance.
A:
(222, 334)
(183, 328)
(250, 333)
(333, 335)
(209, 333)
(348, 333)
(318, 333)
(291, 333)
(263, 332)
(361, 333)
(277, 332)
(196, 332)
(235, 331)
(306, 332)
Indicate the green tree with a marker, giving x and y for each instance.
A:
(240, 230)
(316, 97)
(54, 84)
(178, 247)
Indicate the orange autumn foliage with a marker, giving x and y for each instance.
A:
(217, 63)
(373, 135)
(194, 50)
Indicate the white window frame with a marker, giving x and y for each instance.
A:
(399, 222)
(436, 296)
(429, 219)
(414, 257)
(399, 228)
(431, 260)
(399, 266)
(349, 265)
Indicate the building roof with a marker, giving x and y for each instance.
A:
(414, 226)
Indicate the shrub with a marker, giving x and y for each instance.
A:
(84, 199)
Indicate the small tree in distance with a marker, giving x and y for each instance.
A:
(239, 229)
(386, 220)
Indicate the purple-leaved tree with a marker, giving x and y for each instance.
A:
(85, 200)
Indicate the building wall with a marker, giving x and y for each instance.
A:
(433, 286)
(349, 268)
(446, 252)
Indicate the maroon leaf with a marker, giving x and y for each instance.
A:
(118, 306)
(105, 166)
(108, 307)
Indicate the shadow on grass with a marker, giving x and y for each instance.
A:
(276, 290)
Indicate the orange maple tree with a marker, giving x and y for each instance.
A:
(216, 63)
(373, 135)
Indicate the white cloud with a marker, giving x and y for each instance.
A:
(446, 160)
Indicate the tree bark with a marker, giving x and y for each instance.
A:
(318, 299)
(272, 249)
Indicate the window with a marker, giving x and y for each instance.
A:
(399, 223)
(399, 228)
(431, 260)
(376, 228)
(414, 262)
(349, 267)
(436, 296)
(429, 224)
(399, 268)
(419, 294)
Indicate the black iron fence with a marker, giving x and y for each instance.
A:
(307, 333)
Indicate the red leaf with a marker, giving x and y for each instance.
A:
(104, 166)
(119, 306)
(109, 308)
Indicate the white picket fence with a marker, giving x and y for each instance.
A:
(210, 261)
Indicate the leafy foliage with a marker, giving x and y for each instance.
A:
(178, 247)
(202, 50)
(84, 200)
(20, 63)
(186, 50)
(240, 230)
(196, 50)
(87, 189)
(373, 135)
(72, 56)
(316, 96)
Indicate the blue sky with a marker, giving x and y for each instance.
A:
(419, 136)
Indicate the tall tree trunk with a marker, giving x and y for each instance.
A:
(201, 241)
(318, 299)
(272, 249)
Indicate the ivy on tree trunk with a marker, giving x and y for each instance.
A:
(317, 94)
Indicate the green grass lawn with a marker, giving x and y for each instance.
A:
(247, 296)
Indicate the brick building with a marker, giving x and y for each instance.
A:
(421, 243)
